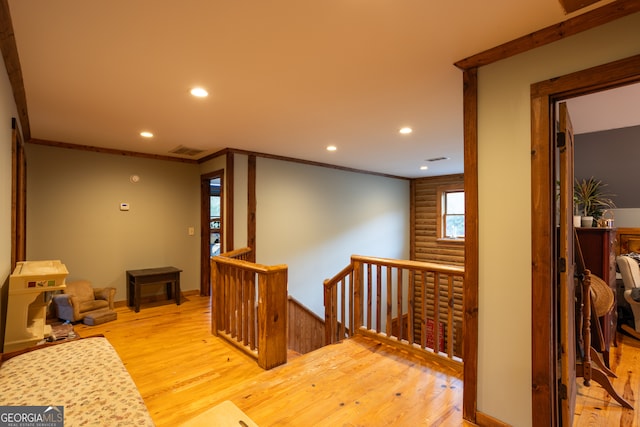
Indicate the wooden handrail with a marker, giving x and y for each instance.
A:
(341, 275)
(412, 265)
(249, 306)
(405, 303)
(241, 253)
(248, 266)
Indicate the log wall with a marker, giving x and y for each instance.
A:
(426, 247)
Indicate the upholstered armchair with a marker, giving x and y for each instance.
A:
(80, 298)
(630, 271)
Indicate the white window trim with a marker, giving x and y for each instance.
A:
(440, 191)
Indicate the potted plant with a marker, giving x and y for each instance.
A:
(590, 200)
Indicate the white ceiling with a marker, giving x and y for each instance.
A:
(285, 77)
(611, 109)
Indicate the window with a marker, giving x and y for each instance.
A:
(450, 213)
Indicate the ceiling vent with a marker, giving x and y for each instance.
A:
(186, 151)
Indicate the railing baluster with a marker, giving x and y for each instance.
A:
(239, 306)
(245, 310)
(352, 297)
(227, 300)
(436, 312)
(378, 297)
(411, 308)
(423, 323)
(389, 302)
(399, 304)
(234, 304)
(336, 313)
(253, 322)
(450, 318)
(343, 285)
(369, 301)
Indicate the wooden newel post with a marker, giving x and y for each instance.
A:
(272, 315)
(217, 308)
(330, 307)
(358, 291)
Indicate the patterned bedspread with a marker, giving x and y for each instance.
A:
(85, 376)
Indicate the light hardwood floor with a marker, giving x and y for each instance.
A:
(594, 406)
(173, 358)
(182, 370)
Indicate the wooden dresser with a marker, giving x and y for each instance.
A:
(599, 251)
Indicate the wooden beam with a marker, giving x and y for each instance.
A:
(471, 275)
(12, 64)
(553, 33)
(229, 202)
(251, 208)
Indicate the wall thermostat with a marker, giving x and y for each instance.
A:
(124, 206)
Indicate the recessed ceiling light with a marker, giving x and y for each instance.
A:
(332, 148)
(199, 92)
(424, 168)
(146, 134)
(406, 131)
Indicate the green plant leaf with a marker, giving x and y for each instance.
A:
(590, 198)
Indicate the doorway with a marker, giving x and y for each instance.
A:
(545, 351)
(215, 219)
(211, 225)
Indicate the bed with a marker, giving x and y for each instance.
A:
(85, 376)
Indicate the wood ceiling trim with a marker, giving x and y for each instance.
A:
(109, 150)
(12, 64)
(573, 5)
(553, 33)
(302, 161)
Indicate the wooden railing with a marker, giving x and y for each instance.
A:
(403, 303)
(249, 306)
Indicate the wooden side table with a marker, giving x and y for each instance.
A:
(147, 276)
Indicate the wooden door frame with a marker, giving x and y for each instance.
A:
(205, 247)
(18, 197)
(543, 97)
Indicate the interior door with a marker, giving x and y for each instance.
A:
(566, 267)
